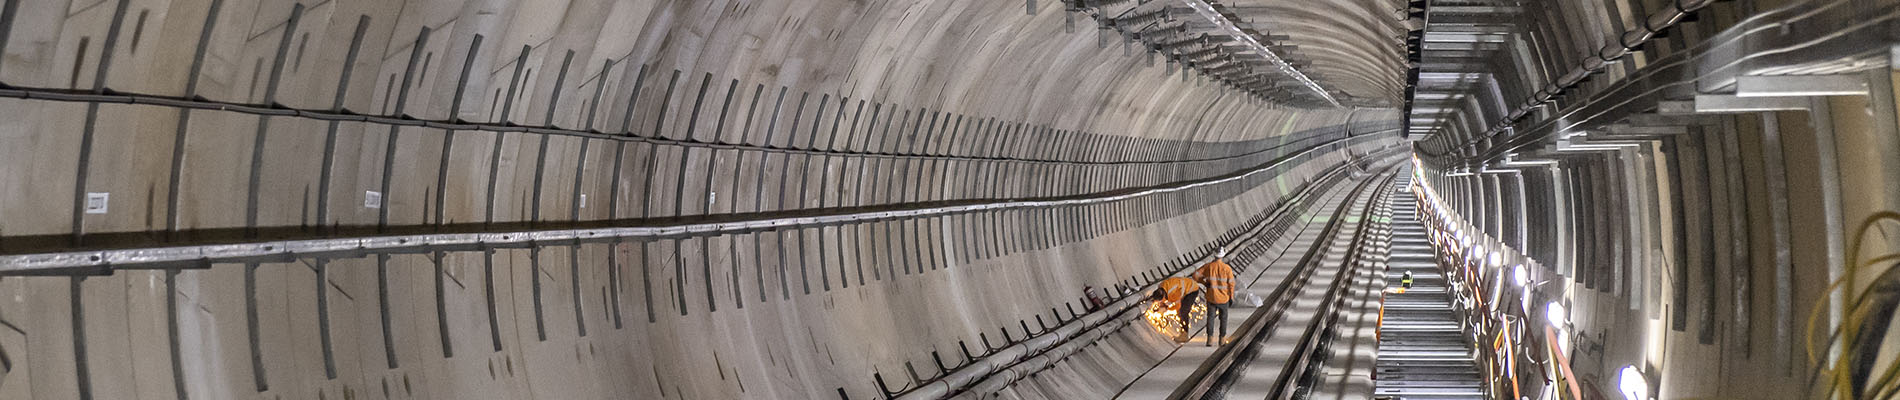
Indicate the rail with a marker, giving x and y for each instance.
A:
(999, 368)
(1224, 367)
(1313, 343)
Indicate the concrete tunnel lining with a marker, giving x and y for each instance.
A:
(681, 199)
(1020, 89)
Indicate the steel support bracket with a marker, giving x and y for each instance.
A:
(1800, 86)
(1716, 103)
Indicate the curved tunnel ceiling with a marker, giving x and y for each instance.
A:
(1355, 46)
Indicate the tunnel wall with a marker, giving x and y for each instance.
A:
(1706, 216)
(697, 317)
(234, 121)
(674, 94)
(1715, 248)
(1710, 249)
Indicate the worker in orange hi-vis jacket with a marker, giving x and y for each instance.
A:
(1180, 291)
(1219, 280)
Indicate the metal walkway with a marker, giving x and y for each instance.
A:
(1422, 352)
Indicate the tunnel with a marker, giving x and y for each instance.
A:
(949, 199)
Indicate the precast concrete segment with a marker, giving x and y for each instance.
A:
(1007, 364)
(488, 304)
(395, 121)
(40, 263)
(451, 116)
(1095, 331)
(1105, 177)
(519, 51)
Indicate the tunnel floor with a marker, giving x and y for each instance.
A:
(1316, 335)
(1423, 354)
(1180, 365)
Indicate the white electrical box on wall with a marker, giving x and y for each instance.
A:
(96, 202)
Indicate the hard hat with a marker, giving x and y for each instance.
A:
(1222, 253)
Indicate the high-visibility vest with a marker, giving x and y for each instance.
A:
(1173, 289)
(1219, 279)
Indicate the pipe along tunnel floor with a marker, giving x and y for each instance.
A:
(1305, 295)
